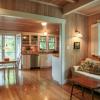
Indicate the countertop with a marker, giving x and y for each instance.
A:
(37, 53)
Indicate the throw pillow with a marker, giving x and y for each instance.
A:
(86, 66)
(95, 69)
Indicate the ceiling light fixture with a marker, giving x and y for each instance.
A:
(44, 23)
(45, 33)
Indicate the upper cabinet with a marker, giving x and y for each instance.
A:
(29, 40)
(95, 39)
(34, 40)
(25, 40)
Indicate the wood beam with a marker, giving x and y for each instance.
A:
(45, 3)
(72, 6)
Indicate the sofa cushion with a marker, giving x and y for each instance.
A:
(86, 66)
(90, 67)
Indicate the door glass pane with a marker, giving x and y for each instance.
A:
(10, 47)
(9, 44)
(10, 55)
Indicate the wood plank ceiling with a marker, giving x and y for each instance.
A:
(53, 8)
(92, 9)
(26, 25)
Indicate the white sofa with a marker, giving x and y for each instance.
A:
(76, 72)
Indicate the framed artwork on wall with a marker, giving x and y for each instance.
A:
(76, 45)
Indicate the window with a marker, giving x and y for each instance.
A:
(51, 42)
(43, 42)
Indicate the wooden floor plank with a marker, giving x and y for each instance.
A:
(32, 85)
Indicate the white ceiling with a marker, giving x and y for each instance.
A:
(91, 9)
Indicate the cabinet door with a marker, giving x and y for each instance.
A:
(25, 39)
(34, 40)
(26, 61)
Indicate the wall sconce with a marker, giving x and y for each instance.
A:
(77, 33)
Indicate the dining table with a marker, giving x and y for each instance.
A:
(4, 65)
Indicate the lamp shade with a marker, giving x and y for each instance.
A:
(78, 34)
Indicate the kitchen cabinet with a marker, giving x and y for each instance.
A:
(29, 40)
(29, 61)
(26, 62)
(25, 39)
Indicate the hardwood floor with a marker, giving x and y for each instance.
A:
(31, 85)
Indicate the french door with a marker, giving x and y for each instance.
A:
(7, 47)
(10, 47)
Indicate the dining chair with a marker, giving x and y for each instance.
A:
(14, 68)
(18, 61)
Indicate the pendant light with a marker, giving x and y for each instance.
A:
(44, 24)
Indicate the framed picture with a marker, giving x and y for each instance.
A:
(76, 45)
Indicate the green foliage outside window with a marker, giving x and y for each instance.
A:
(10, 45)
(43, 43)
(51, 43)
(7, 47)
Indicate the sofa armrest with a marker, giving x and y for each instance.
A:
(75, 68)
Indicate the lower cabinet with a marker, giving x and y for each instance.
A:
(26, 62)
(36, 61)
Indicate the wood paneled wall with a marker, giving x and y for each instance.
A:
(73, 56)
(91, 20)
(31, 7)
